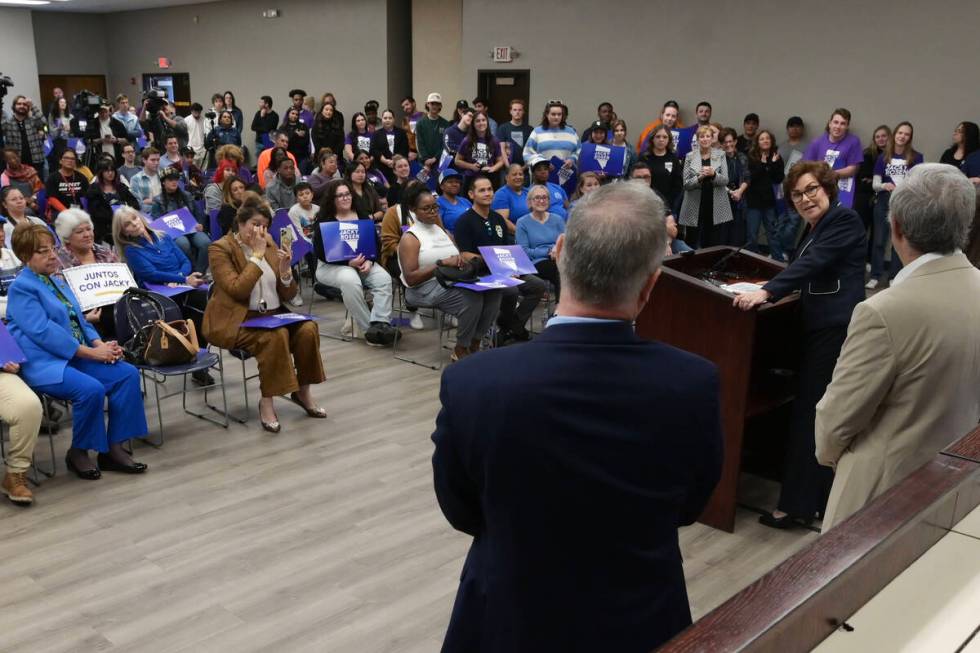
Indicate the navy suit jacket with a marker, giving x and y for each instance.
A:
(572, 460)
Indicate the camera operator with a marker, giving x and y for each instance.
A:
(158, 118)
(128, 119)
(105, 135)
(24, 131)
(196, 132)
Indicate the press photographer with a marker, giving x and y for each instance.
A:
(158, 118)
(104, 134)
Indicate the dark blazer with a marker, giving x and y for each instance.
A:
(828, 270)
(101, 211)
(573, 477)
(118, 130)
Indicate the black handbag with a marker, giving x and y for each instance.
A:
(448, 276)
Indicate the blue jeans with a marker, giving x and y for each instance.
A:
(787, 226)
(882, 239)
(195, 247)
(754, 218)
(86, 384)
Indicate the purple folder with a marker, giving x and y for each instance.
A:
(344, 240)
(506, 260)
(179, 223)
(301, 246)
(275, 321)
(490, 282)
(173, 291)
(10, 351)
(607, 159)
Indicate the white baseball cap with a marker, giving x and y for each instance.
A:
(434, 97)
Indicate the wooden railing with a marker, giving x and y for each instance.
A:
(803, 600)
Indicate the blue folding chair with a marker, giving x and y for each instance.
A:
(144, 313)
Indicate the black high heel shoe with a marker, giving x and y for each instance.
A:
(785, 522)
(110, 464)
(86, 474)
(317, 412)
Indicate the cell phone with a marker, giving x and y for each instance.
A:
(286, 237)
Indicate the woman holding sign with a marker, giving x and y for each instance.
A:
(253, 278)
(173, 198)
(155, 260)
(67, 359)
(78, 247)
(355, 275)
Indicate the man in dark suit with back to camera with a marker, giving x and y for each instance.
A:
(572, 460)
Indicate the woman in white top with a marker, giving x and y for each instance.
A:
(425, 246)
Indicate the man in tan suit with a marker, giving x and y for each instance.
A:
(907, 382)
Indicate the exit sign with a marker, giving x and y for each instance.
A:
(163, 63)
(503, 54)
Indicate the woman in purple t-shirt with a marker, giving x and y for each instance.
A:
(889, 172)
(358, 138)
(842, 152)
(480, 151)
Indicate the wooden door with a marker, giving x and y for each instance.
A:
(70, 84)
(499, 87)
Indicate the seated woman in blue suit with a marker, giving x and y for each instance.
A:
(67, 360)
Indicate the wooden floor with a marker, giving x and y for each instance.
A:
(325, 537)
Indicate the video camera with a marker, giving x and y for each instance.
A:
(156, 99)
(85, 105)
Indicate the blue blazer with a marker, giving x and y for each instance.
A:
(572, 460)
(40, 325)
(158, 260)
(828, 270)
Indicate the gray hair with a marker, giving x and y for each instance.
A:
(934, 208)
(615, 239)
(68, 221)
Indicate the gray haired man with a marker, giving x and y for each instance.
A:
(906, 382)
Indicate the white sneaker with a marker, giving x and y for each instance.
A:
(872, 284)
(416, 322)
(296, 301)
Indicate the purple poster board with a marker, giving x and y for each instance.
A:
(490, 282)
(275, 321)
(301, 246)
(344, 240)
(607, 159)
(506, 260)
(179, 223)
(10, 351)
(173, 291)
(215, 226)
(564, 177)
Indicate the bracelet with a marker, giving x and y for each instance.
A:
(255, 259)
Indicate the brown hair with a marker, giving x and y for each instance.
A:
(226, 188)
(725, 132)
(252, 203)
(873, 147)
(28, 238)
(581, 182)
(230, 153)
(910, 152)
(148, 151)
(755, 152)
(820, 171)
(839, 111)
(517, 101)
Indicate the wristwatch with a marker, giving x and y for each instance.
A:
(255, 259)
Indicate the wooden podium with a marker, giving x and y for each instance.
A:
(756, 351)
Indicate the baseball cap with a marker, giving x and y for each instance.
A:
(434, 97)
(462, 104)
(602, 126)
(794, 121)
(170, 173)
(449, 172)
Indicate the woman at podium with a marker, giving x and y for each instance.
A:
(828, 272)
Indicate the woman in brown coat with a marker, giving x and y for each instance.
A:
(252, 277)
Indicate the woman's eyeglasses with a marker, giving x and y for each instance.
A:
(810, 191)
(343, 196)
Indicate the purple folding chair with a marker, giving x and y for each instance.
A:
(42, 202)
(85, 204)
(246, 176)
(215, 227)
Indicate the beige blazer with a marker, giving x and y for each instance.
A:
(906, 385)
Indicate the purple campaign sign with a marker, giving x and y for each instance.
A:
(344, 240)
(506, 260)
(10, 351)
(173, 291)
(301, 246)
(176, 224)
(275, 321)
(490, 282)
(564, 177)
(607, 159)
(215, 226)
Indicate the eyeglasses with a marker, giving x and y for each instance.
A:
(343, 196)
(540, 198)
(810, 191)
(427, 208)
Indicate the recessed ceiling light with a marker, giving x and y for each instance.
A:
(25, 2)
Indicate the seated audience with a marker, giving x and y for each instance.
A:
(66, 359)
(232, 193)
(279, 191)
(303, 212)
(325, 172)
(510, 200)
(154, 258)
(265, 169)
(358, 274)
(172, 198)
(252, 277)
(482, 226)
(21, 411)
(572, 493)
(66, 186)
(587, 182)
(424, 247)
(706, 210)
(78, 247)
(451, 204)
(366, 204)
(403, 175)
(559, 198)
(104, 194)
(190, 175)
(537, 233)
(905, 383)
(145, 184)
(171, 152)
(20, 176)
(373, 175)
(13, 209)
(128, 167)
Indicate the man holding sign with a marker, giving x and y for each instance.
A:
(481, 227)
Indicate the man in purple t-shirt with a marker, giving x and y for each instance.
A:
(842, 152)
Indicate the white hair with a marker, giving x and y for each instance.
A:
(934, 207)
(68, 221)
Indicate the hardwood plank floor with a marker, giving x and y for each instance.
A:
(325, 537)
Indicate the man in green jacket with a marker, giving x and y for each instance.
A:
(428, 132)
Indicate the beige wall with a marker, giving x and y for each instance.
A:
(337, 46)
(70, 43)
(437, 40)
(19, 60)
(885, 60)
